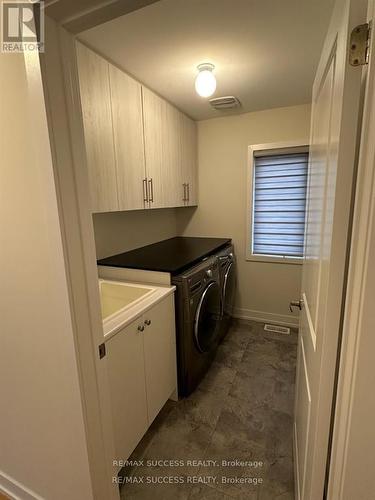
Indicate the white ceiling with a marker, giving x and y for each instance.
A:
(265, 51)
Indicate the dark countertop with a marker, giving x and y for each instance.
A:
(170, 256)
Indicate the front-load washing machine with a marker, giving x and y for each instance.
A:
(198, 319)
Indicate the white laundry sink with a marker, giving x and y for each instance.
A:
(115, 296)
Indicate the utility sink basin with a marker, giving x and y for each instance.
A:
(115, 297)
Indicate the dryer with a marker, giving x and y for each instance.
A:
(228, 278)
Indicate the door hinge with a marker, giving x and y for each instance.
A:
(360, 45)
(102, 351)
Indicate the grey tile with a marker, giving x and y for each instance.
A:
(259, 352)
(239, 335)
(283, 395)
(257, 388)
(269, 358)
(158, 483)
(205, 492)
(234, 439)
(230, 354)
(264, 344)
(234, 456)
(218, 379)
(272, 430)
(288, 495)
(202, 407)
(242, 410)
(142, 446)
(244, 323)
(279, 480)
(180, 438)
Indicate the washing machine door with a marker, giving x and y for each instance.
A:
(207, 318)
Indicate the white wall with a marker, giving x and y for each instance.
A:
(264, 289)
(119, 232)
(43, 449)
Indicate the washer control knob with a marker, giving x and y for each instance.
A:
(209, 273)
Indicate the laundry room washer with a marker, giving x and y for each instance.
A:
(198, 318)
(228, 279)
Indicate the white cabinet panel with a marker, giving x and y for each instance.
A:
(160, 355)
(154, 115)
(189, 160)
(97, 122)
(126, 375)
(172, 156)
(170, 146)
(141, 365)
(126, 97)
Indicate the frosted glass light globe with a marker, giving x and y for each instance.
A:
(205, 83)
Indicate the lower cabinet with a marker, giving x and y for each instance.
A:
(141, 363)
(160, 356)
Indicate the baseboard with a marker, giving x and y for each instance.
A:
(15, 490)
(266, 317)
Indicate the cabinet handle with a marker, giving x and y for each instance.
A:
(184, 197)
(188, 191)
(141, 328)
(145, 193)
(147, 322)
(151, 186)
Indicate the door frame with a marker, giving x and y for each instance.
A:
(63, 107)
(359, 277)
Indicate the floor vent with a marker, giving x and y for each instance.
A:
(277, 329)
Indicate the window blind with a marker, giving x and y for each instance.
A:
(279, 204)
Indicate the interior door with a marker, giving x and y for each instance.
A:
(335, 113)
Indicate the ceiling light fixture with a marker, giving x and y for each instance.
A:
(205, 83)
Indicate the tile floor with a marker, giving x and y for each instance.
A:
(241, 411)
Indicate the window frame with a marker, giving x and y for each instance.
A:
(249, 256)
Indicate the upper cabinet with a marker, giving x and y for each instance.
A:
(163, 151)
(189, 160)
(154, 116)
(141, 150)
(126, 101)
(97, 122)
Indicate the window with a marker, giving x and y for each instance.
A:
(277, 203)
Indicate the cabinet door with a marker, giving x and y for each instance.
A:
(172, 157)
(154, 115)
(125, 364)
(160, 355)
(127, 117)
(189, 160)
(97, 121)
(193, 164)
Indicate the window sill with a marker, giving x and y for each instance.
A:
(274, 260)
